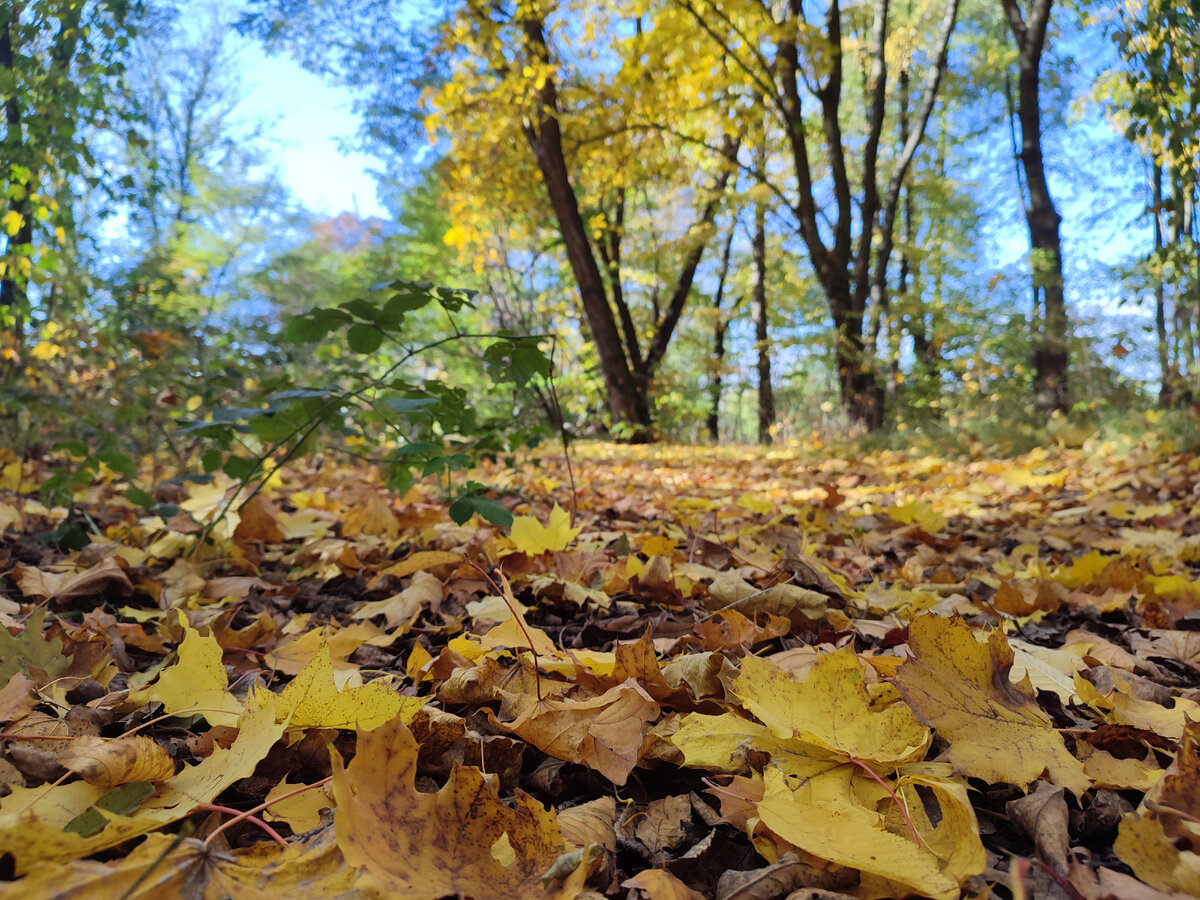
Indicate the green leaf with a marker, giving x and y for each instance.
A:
(469, 504)
(406, 405)
(31, 653)
(210, 460)
(314, 326)
(240, 469)
(74, 448)
(364, 338)
(119, 462)
(140, 497)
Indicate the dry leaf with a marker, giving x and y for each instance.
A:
(462, 840)
(106, 575)
(995, 729)
(108, 763)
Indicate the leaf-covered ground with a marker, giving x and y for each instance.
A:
(738, 674)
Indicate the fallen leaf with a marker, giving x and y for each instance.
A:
(196, 682)
(258, 520)
(604, 733)
(531, 537)
(423, 595)
(312, 700)
(994, 728)
(32, 820)
(108, 763)
(822, 817)
(426, 846)
(106, 575)
(29, 652)
(1160, 841)
(659, 884)
(301, 812)
(832, 710)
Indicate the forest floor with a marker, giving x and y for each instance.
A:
(704, 672)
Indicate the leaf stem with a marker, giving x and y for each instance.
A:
(895, 797)
(510, 602)
(239, 816)
(251, 814)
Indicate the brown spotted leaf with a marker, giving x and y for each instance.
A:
(464, 840)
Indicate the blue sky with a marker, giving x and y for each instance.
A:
(308, 120)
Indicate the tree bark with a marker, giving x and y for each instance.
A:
(850, 268)
(626, 404)
(720, 327)
(1168, 386)
(627, 374)
(762, 344)
(1050, 348)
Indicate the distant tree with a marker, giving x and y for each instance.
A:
(60, 62)
(843, 201)
(1029, 26)
(1155, 99)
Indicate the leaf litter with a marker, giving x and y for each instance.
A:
(725, 673)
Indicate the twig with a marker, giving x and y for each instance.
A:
(516, 613)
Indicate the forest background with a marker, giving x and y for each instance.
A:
(722, 221)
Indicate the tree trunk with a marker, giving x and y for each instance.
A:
(1168, 386)
(626, 405)
(1050, 345)
(720, 327)
(762, 344)
(12, 286)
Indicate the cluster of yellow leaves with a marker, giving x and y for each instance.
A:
(835, 696)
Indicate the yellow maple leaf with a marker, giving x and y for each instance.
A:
(302, 811)
(424, 846)
(922, 515)
(850, 833)
(995, 729)
(312, 700)
(532, 537)
(197, 681)
(832, 710)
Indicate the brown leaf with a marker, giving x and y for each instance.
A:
(258, 520)
(663, 823)
(590, 823)
(781, 878)
(108, 763)
(1042, 815)
(17, 697)
(463, 840)
(604, 733)
(40, 585)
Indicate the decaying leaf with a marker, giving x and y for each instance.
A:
(462, 840)
(108, 763)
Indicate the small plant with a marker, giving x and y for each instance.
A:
(390, 399)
